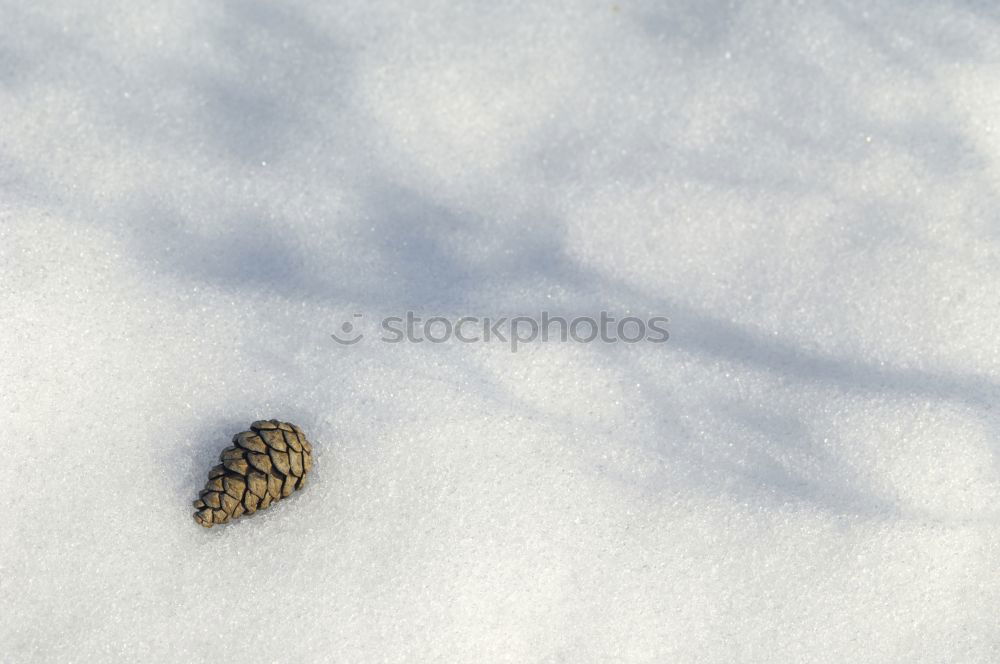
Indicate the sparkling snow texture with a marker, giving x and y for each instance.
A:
(194, 195)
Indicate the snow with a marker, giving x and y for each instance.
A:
(194, 196)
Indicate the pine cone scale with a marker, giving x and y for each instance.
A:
(295, 463)
(261, 462)
(274, 439)
(238, 466)
(251, 442)
(280, 461)
(292, 440)
(235, 486)
(273, 486)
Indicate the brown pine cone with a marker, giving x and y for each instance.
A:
(265, 464)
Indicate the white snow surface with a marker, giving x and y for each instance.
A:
(195, 195)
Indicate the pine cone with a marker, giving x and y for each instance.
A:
(265, 464)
